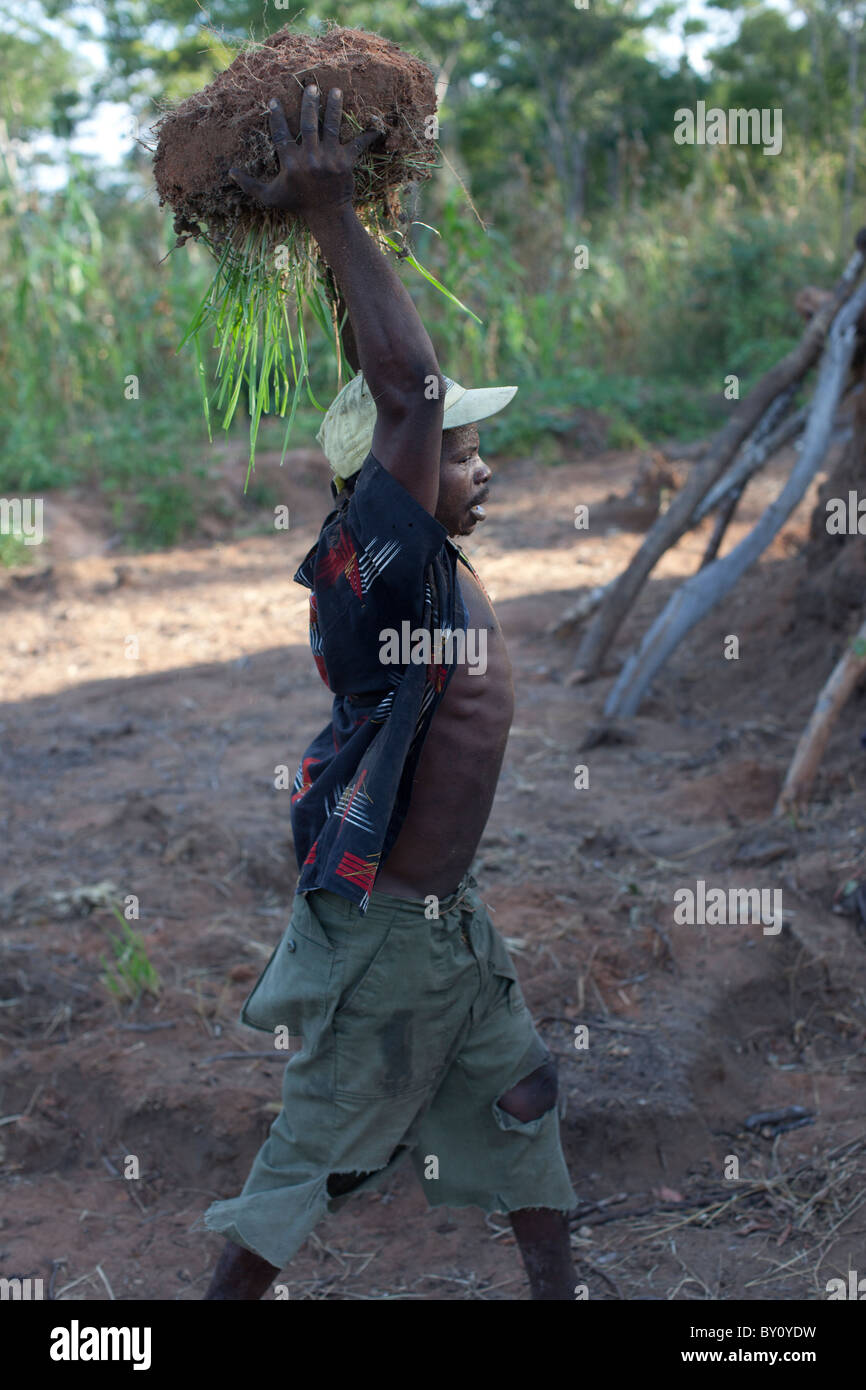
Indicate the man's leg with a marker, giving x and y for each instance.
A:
(545, 1248)
(242, 1275)
(542, 1234)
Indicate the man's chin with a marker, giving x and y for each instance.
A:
(469, 523)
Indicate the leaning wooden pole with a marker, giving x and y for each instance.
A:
(723, 521)
(829, 705)
(750, 460)
(699, 594)
(678, 517)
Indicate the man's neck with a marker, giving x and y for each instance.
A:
(461, 554)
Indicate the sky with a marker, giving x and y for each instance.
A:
(108, 134)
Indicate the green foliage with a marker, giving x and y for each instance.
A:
(261, 494)
(165, 514)
(86, 307)
(129, 974)
(37, 80)
(15, 552)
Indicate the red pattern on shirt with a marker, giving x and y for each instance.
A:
(361, 871)
(342, 558)
(306, 779)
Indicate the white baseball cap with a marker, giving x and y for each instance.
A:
(346, 432)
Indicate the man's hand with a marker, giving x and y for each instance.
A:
(317, 174)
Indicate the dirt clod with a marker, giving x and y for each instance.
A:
(226, 124)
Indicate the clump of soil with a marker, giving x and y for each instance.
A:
(226, 124)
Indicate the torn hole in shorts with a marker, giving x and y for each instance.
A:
(344, 1183)
(341, 1184)
(538, 1087)
(506, 1120)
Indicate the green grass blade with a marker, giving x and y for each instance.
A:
(295, 398)
(416, 265)
(203, 383)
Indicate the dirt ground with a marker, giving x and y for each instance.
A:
(147, 700)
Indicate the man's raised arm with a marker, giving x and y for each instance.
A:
(396, 356)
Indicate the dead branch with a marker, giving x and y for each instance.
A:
(723, 521)
(750, 460)
(755, 454)
(828, 706)
(699, 594)
(727, 492)
(677, 519)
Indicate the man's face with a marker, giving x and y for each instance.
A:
(463, 481)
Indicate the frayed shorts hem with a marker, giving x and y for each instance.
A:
(256, 1221)
(220, 1220)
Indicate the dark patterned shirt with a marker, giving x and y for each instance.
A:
(381, 563)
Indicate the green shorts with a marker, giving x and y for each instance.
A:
(412, 1029)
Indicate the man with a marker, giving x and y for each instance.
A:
(416, 1039)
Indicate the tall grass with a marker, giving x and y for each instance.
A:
(676, 297)
(86, 307)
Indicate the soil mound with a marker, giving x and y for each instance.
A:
(226, 124)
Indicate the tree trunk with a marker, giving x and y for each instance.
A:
(750, 460)
(698, 595)
(723, 521)
(829, 705)
(677, 519)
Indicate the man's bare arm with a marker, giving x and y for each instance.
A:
(316, 181)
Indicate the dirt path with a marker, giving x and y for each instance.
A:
(146, 702)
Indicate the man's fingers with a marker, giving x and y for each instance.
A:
(363, 142)
(310, 115)
(333, 115)
(280, 133)
(248, 184)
